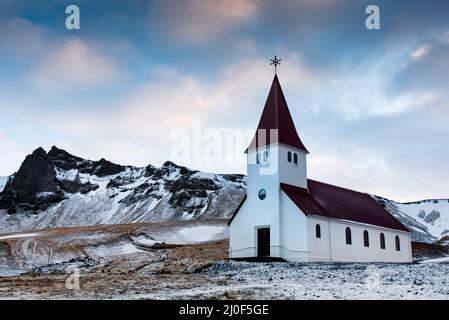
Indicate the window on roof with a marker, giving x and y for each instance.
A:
(365, 238)
(295, 158)
(318, 231)
(348, 236)
(398, 244)
(289, 156)
(382, 241)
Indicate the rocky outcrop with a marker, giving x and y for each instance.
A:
(34, 186)
(432, 216)
(64, 160)
(102, 168)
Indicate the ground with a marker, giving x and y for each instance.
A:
(131, 262)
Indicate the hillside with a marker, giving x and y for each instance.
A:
(427, 219)
(58, 189)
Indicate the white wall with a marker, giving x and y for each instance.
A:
(241, 240)
(264, 213)
(319, 248)
(294, 231)
(357, 252)
(289, 172)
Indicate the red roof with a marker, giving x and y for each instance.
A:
(339, 203)
(276, 116)
(334, 202)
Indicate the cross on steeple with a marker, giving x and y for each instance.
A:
(275, 62)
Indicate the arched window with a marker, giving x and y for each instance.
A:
(398, 244)
(257, 158)
(289, 156)
(348, 236)
(365, 238)
(265, 156)
(382, 241)
(318, 231)
(295, 158)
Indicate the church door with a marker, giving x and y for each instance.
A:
(263, 242)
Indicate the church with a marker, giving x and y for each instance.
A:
(284, 215)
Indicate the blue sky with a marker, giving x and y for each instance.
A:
(372, 106)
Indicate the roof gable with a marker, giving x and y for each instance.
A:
(276, 116)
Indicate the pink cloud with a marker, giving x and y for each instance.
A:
(198, 21)
(74, 64)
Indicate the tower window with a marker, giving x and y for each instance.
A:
(262, 194)
(289, 156)
(348, 236)
(318, 231)
(382, 241)
(295, 158)
(265, 156)
(257, 158)
(398, 243)
(365, 238)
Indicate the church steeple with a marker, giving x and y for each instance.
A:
(276, 116)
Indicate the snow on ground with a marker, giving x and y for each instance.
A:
(19, 235)
(333, 280)
(113, 250)
(202, 233)
(6, 271)
(438, 260)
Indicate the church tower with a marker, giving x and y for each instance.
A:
(276, 155)
(276, 132)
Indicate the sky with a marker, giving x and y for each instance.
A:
(371, 106)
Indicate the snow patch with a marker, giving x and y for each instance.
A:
(438, 260)
(114, 250)
(19, 235)
(202, 233)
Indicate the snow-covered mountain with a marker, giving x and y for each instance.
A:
(58, 189)
(427, 219)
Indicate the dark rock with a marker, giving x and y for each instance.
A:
(105, 168)
(36, 175)
(236, 178)
(421, 214)
(76, 186)
(149, 170)
(64, 160)
(431, 217)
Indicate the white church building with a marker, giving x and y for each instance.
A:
(285, 215)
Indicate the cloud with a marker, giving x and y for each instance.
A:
(420, 53)
(364, 170)
(74, 64)
(198, 21)
(143, 120)
(21, 37)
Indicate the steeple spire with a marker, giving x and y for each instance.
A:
(276, 118)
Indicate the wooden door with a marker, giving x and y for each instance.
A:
(263, 242)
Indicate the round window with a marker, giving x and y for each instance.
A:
(262, 194)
